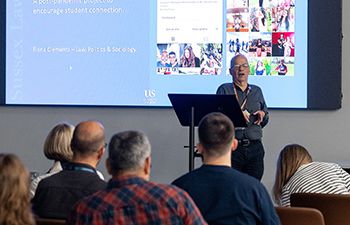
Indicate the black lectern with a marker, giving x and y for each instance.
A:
(191, 108)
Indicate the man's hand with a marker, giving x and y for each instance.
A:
(259, 116)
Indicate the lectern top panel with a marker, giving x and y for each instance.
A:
(204, 104)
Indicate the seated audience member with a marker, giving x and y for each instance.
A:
(14, 192)
(225, 195)
(297, 173)
(130, 198)
(57, 148)
(56, 194)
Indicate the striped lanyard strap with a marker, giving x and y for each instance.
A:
(244, 102)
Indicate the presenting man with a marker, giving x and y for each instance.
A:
(225, 195)
(130, 198)
(249, 156)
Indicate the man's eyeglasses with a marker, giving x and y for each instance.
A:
(238, 66)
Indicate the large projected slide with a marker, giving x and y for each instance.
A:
(135, 52)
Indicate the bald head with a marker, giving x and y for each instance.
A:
(238, 57)
(88, 137)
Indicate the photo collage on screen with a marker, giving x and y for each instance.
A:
(189, 43)
(189, 58)
(262, 30)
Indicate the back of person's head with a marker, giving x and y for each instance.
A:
(57, 143)
(88, 138)
(291, 157)
(216, 133)
(14, 191)
(127, 152)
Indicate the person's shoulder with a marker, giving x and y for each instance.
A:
(88, 204)
(224, 88)
(37, 180)
(326, 164)
(319, 164)
(226, 174)
(98, 201)
(167, 192)
(245, 178)
(98, 196)
(242, 184)
(182, 179)
(71, 178)
(187, 177)
(94, 180)
(248, 183)
(312, 169)
(50, 179)
(254, 87)
(34, 183)
(225, 85)
(163, 186)
(47, 184)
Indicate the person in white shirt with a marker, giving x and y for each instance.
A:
(297, 173)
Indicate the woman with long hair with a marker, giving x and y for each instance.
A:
(15, 208)
(260, 68)
(297, 173)
(188, 59)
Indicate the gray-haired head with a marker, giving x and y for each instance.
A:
(127, 151)
(233, 60)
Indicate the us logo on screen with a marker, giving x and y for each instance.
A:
(150, 95)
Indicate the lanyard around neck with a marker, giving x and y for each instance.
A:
(80, 168)
(244, 102)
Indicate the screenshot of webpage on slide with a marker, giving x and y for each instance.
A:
(135, 52)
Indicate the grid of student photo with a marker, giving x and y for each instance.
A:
(262, 30)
